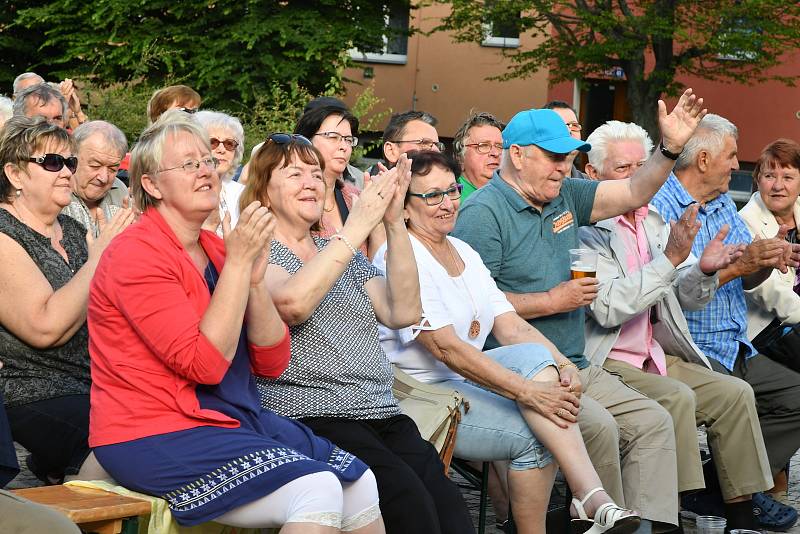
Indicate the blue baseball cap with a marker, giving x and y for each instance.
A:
(543, 128)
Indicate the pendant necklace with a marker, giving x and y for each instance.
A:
(474, 325)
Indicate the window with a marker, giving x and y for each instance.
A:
(502, 30)
(395, 40)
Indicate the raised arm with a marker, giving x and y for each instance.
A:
(615, 197)
(297, 296)
(35, 313)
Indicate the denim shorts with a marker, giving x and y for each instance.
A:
(493, 428)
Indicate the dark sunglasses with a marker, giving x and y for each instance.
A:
(56, 162)
(229, 144)
(285, 139)
(190, 111)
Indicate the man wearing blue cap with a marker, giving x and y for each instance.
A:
(523, 224)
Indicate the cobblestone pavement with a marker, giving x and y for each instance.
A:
(26, 479)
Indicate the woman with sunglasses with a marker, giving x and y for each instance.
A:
(332, 130)
(339, 381)
(48, 261)
(226, 136)
(523, 396)
(180, 321)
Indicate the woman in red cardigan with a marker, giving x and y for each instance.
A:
(179, 321)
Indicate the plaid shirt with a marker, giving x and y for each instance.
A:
(720, 327)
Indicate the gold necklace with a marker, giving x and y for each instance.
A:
(474, 325)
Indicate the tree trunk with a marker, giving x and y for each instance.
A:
(643, 97)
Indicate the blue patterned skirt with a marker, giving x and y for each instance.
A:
(207, 471)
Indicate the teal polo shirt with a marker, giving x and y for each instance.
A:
(527, 250)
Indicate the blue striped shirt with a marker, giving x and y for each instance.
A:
(720, 327)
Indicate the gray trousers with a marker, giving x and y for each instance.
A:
(777, 391)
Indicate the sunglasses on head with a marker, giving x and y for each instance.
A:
(190, 111)
(285, 139)
(56, 162)
(229, 144)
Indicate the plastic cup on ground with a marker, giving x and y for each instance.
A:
(710, 524)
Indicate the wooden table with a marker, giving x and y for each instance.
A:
(93, 510)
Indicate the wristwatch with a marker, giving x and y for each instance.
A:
(667, 154)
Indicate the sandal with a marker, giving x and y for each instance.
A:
(772, 514)
(608, 518)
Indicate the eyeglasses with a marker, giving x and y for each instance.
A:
(574, 126)
(351, 140)
(193, 165)
(56, 162)
(485, 147)
(190, 111)
(285, 139)
(424, 144)
(229, 144)
(434, 198)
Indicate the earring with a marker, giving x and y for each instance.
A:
(19, 192)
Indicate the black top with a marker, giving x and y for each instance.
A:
(30, 374)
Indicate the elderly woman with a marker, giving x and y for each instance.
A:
(332, 130)
(48, 262)
(772, 209)
(522, 396)
(339, 381)
(226, 136)
(175, 411)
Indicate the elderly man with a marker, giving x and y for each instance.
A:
(570, 118)
(702, 175)
(523, 223)
(636, 328)
(42, 100)
(100, 147)
(25, 80)
(477, 145)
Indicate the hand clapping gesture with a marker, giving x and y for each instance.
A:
(250, 241)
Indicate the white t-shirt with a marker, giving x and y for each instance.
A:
(446, 301)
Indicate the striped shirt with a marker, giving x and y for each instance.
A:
(721, 327)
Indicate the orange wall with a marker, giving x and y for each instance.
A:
(458, 69)
(762, 112)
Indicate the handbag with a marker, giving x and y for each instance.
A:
(435, 410)
(780, 343)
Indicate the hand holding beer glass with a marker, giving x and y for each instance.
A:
(582, 263)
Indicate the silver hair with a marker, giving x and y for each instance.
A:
(6, 108)
(41, 92)
(710, 136)
(110, 133)
(474, 120)
(613, 131)
(21, 78)
(208, 119)
(149, 149)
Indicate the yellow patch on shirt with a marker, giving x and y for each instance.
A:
(562, 221)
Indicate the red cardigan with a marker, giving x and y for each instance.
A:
(147, 352)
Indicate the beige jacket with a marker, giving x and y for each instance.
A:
(774, 297)
(623, 295)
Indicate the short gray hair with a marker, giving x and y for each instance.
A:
(710, 136)
(42, 93)
(149, 149)
(475, 119)
(217, 119)
(111, 133)
(613, 131)
(21, 78)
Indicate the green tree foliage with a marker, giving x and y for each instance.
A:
(232, 53)
(652, 40)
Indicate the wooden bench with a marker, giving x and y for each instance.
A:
(93, 510)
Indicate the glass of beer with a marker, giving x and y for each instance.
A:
(583, 263)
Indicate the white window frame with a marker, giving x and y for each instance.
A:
(380, 57)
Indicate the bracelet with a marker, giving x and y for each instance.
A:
(562, 365)
(344, 240)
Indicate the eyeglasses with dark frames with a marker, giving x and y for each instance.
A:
(56, 162)
(434, 198)
(485, 147)
(193, 165)
(351, 140)
(229, 144)
(424, 144)
(286, 138)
